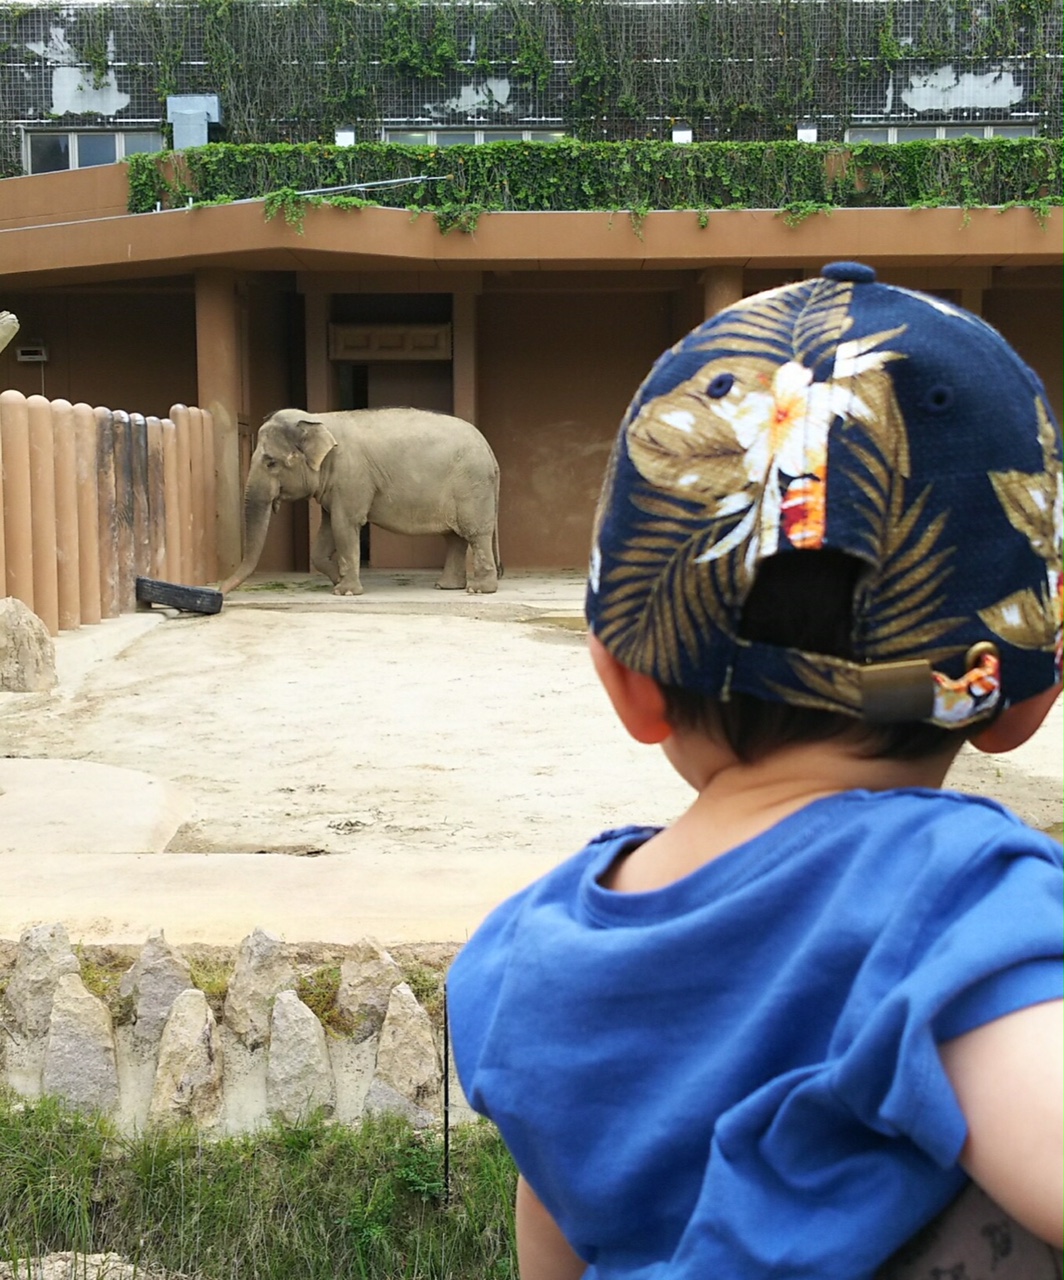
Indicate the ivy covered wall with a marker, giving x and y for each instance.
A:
(599, 69)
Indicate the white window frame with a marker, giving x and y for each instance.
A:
(480, 136)
(984, 130)
(71, 136)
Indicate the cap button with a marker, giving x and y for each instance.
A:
(855, 272)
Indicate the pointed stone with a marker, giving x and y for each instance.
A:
(188, 1079)
(261, 972)
(155, 980)
(44, 956)
(79, 1055)
(367, 979)
(407, 1061)
(383, 1100)
(298, 1074)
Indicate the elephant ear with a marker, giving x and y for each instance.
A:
(315, 442)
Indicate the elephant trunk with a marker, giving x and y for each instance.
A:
(256, 523)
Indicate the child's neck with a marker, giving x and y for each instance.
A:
(738, 801)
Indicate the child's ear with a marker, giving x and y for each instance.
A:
(639, 703)
(1016, 724)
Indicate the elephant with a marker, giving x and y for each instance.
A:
(406, 470)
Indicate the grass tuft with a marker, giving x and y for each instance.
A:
(102, 976)
(318, 991)
(426, 982)
(212, 977)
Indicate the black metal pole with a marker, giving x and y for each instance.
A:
(446, 1102)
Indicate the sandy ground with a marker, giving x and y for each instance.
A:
(390, 765)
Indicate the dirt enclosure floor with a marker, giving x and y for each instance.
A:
(327, 768)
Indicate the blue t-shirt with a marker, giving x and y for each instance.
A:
(736, 1076)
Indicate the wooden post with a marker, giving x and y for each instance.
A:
(18, 535)
(171, 502)
(88, 513)
(68, 554)
(156, 500)
(198, 488)
(107, 508)
(179, 414)
(3, 540)
(42, 513)
(210, 499)
(123, 438)
(138, 437)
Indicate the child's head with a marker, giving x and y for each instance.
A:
(835, 507)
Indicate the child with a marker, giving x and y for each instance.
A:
(776, 1037)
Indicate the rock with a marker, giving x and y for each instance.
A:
(27, 652)
(298, 1075)
(261, 972)
(367, 979)
(44, 956)
(188, 1079)
(80, 1266)
(406, 1056)
(79, 1056)
(382, 1099)
(155, 980)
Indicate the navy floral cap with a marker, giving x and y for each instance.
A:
(839, 413)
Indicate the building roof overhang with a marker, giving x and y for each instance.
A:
(70, 228)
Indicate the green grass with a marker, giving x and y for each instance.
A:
(318, 1201)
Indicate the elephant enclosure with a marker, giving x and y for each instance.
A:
(391, 765)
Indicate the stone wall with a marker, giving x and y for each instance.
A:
(161, 1050)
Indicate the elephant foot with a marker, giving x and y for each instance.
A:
(348, 587)
(442, 585)
(482, 588)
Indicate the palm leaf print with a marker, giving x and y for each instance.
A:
(659, 598)
(800, 324)
(908, 592)
(1031, 502)
(1024, 619)
(834, 689)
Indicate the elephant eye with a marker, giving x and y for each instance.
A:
(270, 462)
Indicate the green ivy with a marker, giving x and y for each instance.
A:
(793, 177)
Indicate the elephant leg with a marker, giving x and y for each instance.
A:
(485, 577)
(347, 535)
(453, 577)
(321, 555)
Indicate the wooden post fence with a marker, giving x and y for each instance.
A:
(91, 499)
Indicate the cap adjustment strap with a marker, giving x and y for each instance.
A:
(897, 692)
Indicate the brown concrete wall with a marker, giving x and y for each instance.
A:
(119, 349)
(556, 372)
(1032, 321)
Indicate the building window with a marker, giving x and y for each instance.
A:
(48, 151)
(917, 132)
(470, 137)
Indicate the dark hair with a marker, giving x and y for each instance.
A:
(801, 600)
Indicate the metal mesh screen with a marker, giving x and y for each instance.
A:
(741, 69)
